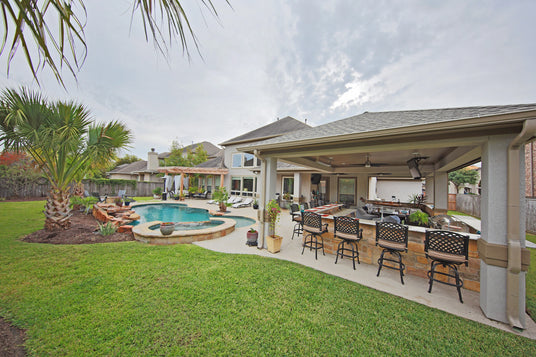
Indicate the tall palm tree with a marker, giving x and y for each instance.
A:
(62, 43)
(62, 138)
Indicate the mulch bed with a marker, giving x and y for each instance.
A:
(84, 230)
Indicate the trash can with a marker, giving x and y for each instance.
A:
(164, 196)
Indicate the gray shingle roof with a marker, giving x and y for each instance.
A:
(211, 149)
(215, 163)
(281, 126)
(130, 168)
(377, 121)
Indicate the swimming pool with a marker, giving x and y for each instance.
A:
(170, 212)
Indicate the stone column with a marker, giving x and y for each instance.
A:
(430, 189)
(441, 192)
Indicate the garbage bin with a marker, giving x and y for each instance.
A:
(164, 196)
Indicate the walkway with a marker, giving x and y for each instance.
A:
(416, 289)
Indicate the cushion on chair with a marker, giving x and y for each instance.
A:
(346, 236)
(391, 245)
(446, 257)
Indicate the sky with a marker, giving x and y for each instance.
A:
(315, 60)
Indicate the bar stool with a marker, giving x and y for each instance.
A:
(296, 217)
(347, 229)
(393, 238)
(312, 224)
(449, 249)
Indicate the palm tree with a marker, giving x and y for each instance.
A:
(62, 138)
(65, 39)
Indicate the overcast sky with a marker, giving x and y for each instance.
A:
(315, 60)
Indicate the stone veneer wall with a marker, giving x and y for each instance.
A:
(415, 259)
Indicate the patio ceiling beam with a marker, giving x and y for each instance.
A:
(458, 158)
(312, 164)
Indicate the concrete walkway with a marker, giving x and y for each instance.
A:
(443, 297)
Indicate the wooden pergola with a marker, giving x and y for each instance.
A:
(183, 170)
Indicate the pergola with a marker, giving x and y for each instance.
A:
(186, 171)
(376, 144)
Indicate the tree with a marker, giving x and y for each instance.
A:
(62, 139)
(57, 30)
(179, 156)
(127, 159)
(463, 176)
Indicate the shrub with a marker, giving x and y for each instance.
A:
(419, 217)
(107, 229)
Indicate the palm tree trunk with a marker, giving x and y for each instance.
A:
(78, 189)
(57, 211)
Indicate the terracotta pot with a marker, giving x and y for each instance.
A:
(274, 243)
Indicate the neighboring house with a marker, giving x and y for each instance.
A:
(244, 167)
(530, 169)
(142, 171)
(211, 149)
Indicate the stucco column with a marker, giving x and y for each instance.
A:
(493, 279)
(430, 189)
(269, 187)
(372, 188)
(362, 188)
(441, 193)
(297, 188)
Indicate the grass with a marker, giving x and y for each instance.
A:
(457, 213)
(133, 299)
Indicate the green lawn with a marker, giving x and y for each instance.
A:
(132, 299)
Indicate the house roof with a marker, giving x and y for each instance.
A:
(370, 122)
(217, 162)
(211, 149)
(279, 127)
(130, 168)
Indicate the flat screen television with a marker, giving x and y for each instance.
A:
(413, 165)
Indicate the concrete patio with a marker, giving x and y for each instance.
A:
(415, 288)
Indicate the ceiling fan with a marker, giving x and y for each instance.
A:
(368, 163)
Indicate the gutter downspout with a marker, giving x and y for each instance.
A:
(512, 228)
(262, 209)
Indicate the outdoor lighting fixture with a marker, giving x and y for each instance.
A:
(413, 165)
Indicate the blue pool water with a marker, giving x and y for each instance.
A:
(170, 213)
(241, 221)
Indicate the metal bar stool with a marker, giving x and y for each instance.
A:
(312, 224)
(393, 238)
(296, 217)
(347, 229)
(449, 249)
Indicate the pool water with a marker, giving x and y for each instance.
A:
(170, 213)
(242, 221)
(189, 226)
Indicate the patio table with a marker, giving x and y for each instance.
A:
(326, 209)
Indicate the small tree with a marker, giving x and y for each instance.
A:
(463, 176)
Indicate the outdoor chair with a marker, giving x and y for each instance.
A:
(347, 229)
(296, 215)
(393, 238)
(305, 206)
(360, 213)
(247, 202)
(312, 225)
(449, 249)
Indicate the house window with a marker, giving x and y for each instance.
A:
(249, 160)
(347, 191)
(248, 184)
(237, 160)
(288, 185)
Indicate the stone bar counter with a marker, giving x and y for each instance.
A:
(415, 259)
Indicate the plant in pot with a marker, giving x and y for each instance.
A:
(157, 192)
(166, 228)
(418, 218)
(255, 204)
(273, 213)
(252, 237)
(221, 196)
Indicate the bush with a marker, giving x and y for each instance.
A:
(107, 229)
(419, 217)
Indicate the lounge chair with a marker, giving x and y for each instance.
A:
(200, 195)
(247, 202)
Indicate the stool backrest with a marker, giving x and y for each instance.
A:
(447, 242)
(346, 225)
(294, 207)
(392, 232)
(311, 219)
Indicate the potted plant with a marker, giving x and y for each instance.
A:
(418, 218)
(157, 192)
(127, 201)
(221, 196)
(252, 236)
(273, 213)
(166, 228)
(255, 204)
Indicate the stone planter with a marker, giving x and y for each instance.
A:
(273, 243)
(167, 228)
(252, 238)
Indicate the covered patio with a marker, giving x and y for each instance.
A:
(431, 143)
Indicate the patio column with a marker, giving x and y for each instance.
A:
(362, 188)
(441, 196)
(494, 271)
(268, 187)
(372, 188)
(297, 187)
(430, 189)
